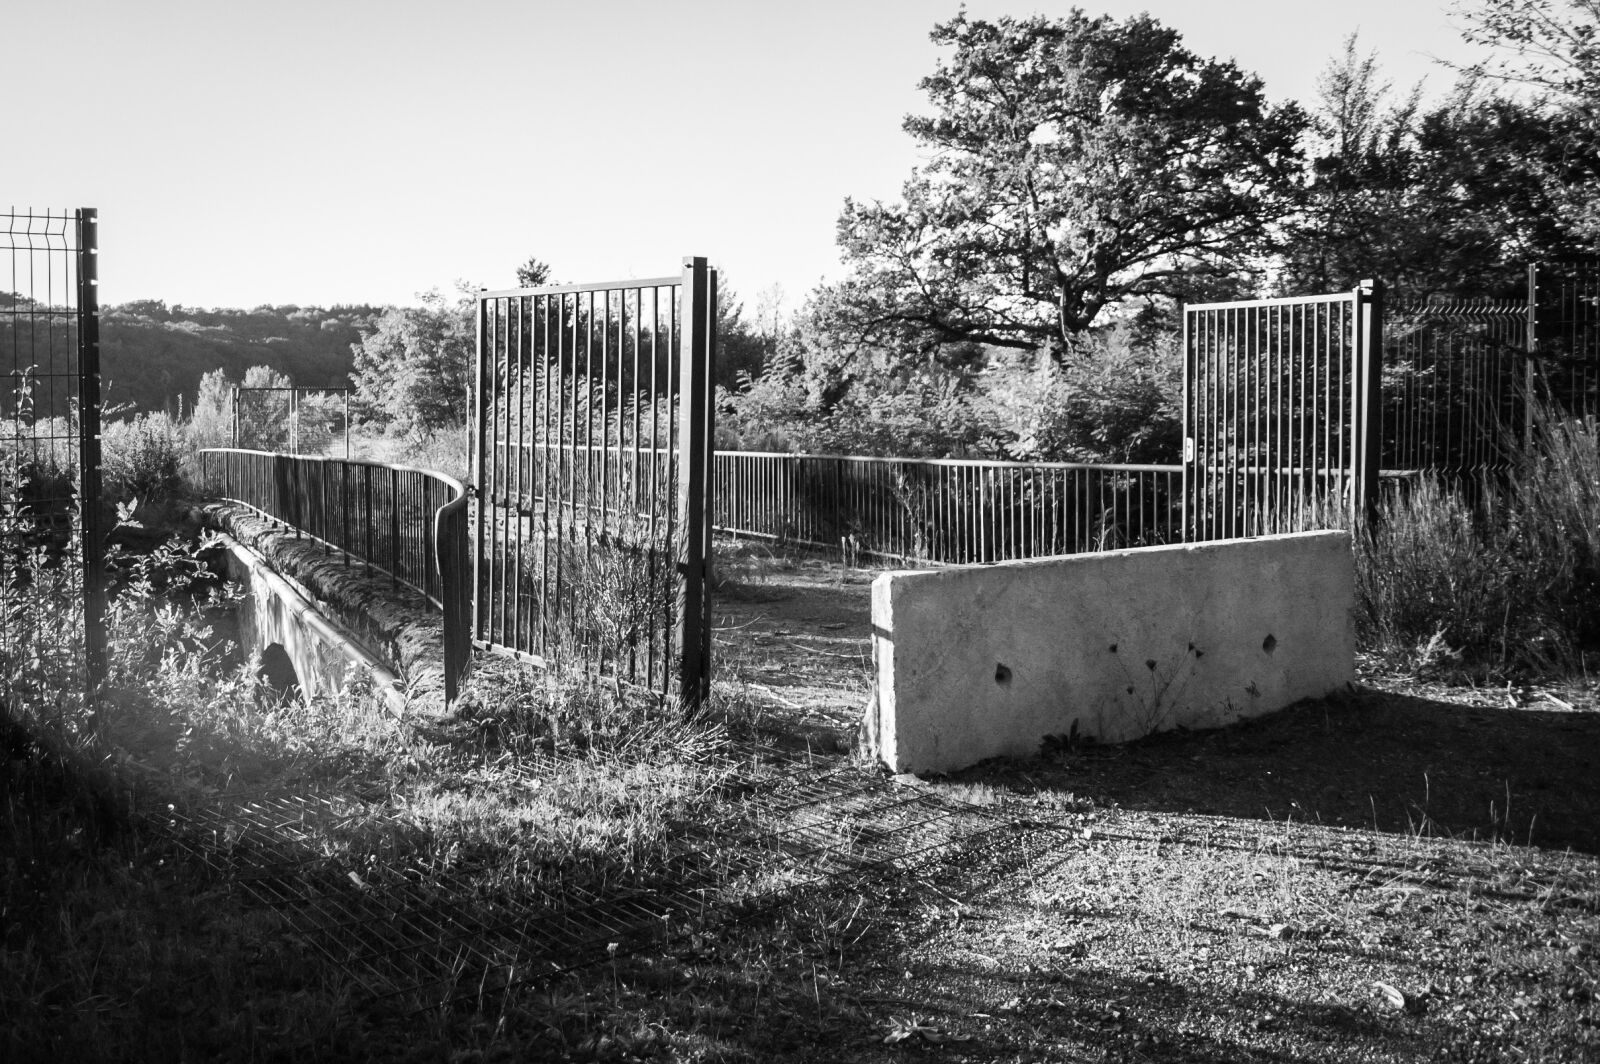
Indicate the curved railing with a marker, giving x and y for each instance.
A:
(409, 524)
(946, 510)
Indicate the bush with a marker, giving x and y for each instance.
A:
(143, 458)
(1500, 577)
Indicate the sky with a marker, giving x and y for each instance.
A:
(343, 151)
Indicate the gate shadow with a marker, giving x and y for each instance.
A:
(1368, 759)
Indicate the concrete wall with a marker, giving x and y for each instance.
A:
(276, 611)
(985, 661)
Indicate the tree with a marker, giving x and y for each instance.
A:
(1455, 198)
(742, 350)
(413, 367)
(1551, 48)
(1076, 165)
(533, 273)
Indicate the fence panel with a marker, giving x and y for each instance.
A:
(1280, 411)
(1454, 385)
(52, 581)
(592, 464)
(1566, 297)
(945, 511)
(292, 420)
(408, 524)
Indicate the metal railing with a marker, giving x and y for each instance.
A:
(946, 511)
(410, 524)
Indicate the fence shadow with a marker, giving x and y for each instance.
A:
(1370, 759)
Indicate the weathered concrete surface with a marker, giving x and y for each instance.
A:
(399, 626)
(986, 661)
(275, 610)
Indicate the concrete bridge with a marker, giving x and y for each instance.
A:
(278, 614)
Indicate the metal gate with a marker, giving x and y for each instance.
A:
(1281, 416)
(591, 470)
(52, 587)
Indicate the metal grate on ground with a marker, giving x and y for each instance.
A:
(403, 932)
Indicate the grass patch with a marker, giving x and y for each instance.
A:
(1492, 579)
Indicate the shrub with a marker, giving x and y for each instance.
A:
(143, 458)
(1502, 577)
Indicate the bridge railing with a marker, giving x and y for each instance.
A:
(410, 524)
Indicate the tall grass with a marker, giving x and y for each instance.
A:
(1496, 577)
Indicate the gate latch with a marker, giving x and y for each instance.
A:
(1188, 448)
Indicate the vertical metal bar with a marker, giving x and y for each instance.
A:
(1369, 379)
(89, 452)
(696, 366)
(1188, 454)
(475, 473)
(1531, 352)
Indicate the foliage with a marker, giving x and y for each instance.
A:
(533, 273)
(413, 366)
(1502, 578)
(1457, 197)
(1118, 402)
(142, 458)
(1076, 165)
(154, 356)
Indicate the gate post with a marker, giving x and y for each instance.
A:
(1368, 401)
(695, 385)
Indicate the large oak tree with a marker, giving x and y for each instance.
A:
(1073, 165)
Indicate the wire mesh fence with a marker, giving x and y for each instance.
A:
(52, 638)
(1455, 385)
(311, 421)
(1566, 311)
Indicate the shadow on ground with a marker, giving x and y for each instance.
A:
(1369, 759)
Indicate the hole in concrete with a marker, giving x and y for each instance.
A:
(1002, 675)
(1270, 643)
(277, 672)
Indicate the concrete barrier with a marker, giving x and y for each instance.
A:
(987, 661)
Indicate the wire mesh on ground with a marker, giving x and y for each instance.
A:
(400, 929)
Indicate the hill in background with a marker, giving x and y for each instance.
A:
(152, 354)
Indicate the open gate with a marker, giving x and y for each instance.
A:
(52, 585)
(1281, 411)
(592, 439)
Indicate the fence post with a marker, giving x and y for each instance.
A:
(693, 637)
(89, 456)
(1529, 368)
(1368, 406)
